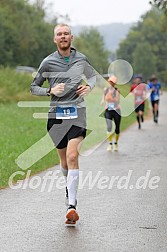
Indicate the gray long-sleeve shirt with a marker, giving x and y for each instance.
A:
(56, 70)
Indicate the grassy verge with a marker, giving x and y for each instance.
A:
(19, 130)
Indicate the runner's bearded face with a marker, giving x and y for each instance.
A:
(63, 38)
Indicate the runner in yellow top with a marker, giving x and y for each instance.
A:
(112, 112)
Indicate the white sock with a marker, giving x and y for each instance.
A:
(64, 172)
(72, 185)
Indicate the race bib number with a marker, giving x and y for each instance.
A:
(111, 106)
(139, 99)
(66, 112)
(156, 97)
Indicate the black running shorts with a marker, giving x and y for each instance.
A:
(154, 102)
(61, 131)
(139, 108)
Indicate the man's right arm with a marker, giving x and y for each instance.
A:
(36, 85)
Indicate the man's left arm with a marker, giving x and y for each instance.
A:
(90, 77)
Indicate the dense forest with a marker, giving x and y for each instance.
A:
(26, 38)
(145, 46)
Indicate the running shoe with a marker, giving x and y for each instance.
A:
(72, 215)
(115, 146)
(69, 222)
(156, 119)
(109, 147)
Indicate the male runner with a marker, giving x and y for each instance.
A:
(155, 87)
(139, 90)
(112, 112)
(64, 69)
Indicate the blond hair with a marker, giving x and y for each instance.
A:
(62, 25)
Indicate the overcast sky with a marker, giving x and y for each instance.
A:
(96, 12)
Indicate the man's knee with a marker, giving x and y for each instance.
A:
(72, 157)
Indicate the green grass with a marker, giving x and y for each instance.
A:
(15, 86)
(19, 130)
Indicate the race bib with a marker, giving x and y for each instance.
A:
(66, 112)
(139, 99)
(111, 106)
(156, 97)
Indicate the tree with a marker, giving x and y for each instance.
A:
(144, 60)
(160, 4)
(126, 46)
(91, 43)
(147, 31)
(25, 37)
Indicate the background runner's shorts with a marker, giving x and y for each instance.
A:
(63, 130)
(154, 102)
(139, 108)
(110, 114)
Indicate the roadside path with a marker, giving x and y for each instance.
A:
(113, 219)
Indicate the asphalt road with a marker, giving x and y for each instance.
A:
(124, 210)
